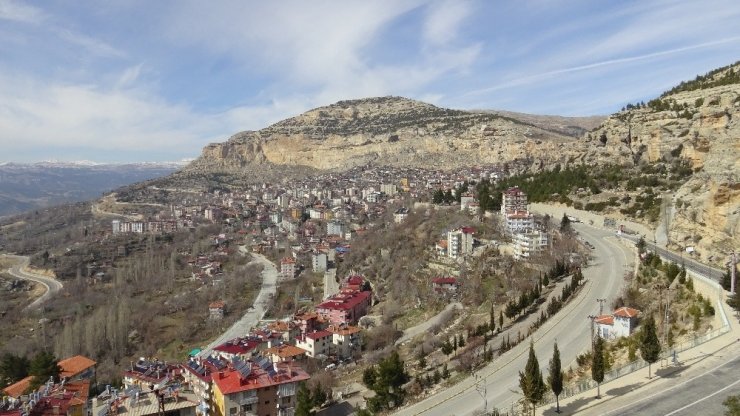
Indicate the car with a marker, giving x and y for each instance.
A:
(331, 366)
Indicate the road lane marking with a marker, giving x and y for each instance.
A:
(673, 387)
(702, 399)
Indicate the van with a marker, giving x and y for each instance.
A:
(331, 367)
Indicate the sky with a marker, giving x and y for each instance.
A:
(131, 80)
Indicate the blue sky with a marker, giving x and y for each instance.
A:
(133, 80)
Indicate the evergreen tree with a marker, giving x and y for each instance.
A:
(389, 376)
(318, 397)
(649, 343)
(445, 372)
(304, 407)
(492, 321)
(13, 368)
(43, 365)
(598, 365)
(462, 341)
(530, 380)
(447, 347)
(555, 379)
(422, 358)
(500, 320)
(565, 224)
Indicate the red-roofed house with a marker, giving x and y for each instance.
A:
(346, 339)
(315, 343)
(345, 307)
(263, 392)
(77, 368)
(620, 323)
(16, 389)
(445, 284)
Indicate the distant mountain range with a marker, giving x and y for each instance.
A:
(24, 187)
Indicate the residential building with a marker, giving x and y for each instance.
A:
(287, 267)
(142, 401)
(400, 215)
(315, 343)
(528, 243)
(460, 242)
(147, 372)
(257, 388)
(285, 352)
(465, 201)
(217, 309)
(318, 262)
(213, 214)
(512, 200)
(445, 285)
(346, 339)
(347, 306)
(621, 323)
(519, 221)
(389, 189)
(78, 367)
(335, 228)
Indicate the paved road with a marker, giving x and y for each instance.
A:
(570, 327)
(703, 269)
(252, 317)
(52, 285)
(701, 394)
(410, 333)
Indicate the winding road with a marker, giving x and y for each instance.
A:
(52, 285)
(497, 385)
(254, 314)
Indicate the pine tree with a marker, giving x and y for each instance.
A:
(492, 321)
(318, 397)
(445, 372)
(462, 341)
(555, 379)
(649, 343)
(530, 380)
(304, 407)
(598, 365)
(500, 320)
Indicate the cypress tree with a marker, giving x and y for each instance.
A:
(304, 407)
(649, 343)
(598, 365)
(530, 380)
(555, 379)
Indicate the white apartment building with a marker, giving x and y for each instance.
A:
(528, 243)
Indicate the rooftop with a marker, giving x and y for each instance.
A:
(625, 312)
(344, 300)
(73, 366)
(232, 381)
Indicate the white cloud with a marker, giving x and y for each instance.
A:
(92, 45)
(443, 20)
(13, 10)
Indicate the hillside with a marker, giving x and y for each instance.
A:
(697, 121)
(693, 124)
(25, 187)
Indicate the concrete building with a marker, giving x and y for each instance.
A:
(335, 228)
(460, 242)
(528, 243)
(287, 267)
(318, 262)
(512, 200)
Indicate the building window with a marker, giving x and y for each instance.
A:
(246, 408)
(267, 402)
(232, 411)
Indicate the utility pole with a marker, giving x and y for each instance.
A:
(482, 389)
(732, 263)
(592, 318)
(601, 305)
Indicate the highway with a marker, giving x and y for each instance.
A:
(691, 264)
(692, 394)
(52, 285)
(499, 381)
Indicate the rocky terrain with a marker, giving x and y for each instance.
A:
(705, 211)
(697, 121)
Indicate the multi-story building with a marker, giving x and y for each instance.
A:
(315, 343)
(512, 200)
(287, 267)
(389, 189)
(460, 242)
(318, 262)
(529, 242)
(346, 339)
(258, 388)
(519, 221)
(400, 215)
(347, 306)
(335, 228)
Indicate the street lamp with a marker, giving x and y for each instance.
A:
(482, 389)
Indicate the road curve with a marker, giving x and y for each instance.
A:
(499, 381)
(52, 285)
(253, 315)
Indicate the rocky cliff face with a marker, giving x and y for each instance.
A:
(389, 131)
(698, 123)
(704, 128)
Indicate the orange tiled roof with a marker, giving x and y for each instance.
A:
(286, 351)
(16, 390)
(625, 312)
(605, 320)
(74, 365)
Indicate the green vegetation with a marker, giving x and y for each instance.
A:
(386, 379)
(732, 403)
(13, 368)
(598, 364)
(530, 380)
(555, 378)
(726, 75)
(649, 343)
